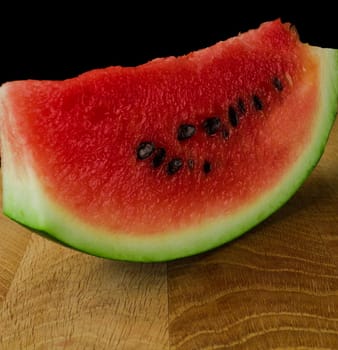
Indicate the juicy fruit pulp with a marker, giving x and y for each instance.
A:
(173, 157)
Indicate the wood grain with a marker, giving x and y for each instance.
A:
(62, 299)
(274, 288)
(325, 180)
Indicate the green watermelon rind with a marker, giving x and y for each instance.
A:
(26, 202)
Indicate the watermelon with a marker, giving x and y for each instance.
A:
(173, 157)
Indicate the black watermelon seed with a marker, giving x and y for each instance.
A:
(277, 83)
(241, 106)
(145, 150)
(233, 118)
(257, 102)
(174, 166)
(206, 167)
(159, 157)
(225, 133)
(185, 131)
(191, 164)
(211, 125)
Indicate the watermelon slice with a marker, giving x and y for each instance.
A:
(173, 157)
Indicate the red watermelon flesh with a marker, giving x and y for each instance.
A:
(231, 131)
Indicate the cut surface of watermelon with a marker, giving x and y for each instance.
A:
(173, 157)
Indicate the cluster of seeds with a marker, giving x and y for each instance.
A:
(147, 149)
(211, 126)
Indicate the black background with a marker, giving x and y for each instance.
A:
(57, 42)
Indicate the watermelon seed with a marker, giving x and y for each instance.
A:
(206, 167)
(158, 159)
(191, 164)
(185, 131)
(241, 106)
(277, 83)
(211, 125)
(233, 118)
(174, 166)
(145, 150)
(257, 102)
(225, 133)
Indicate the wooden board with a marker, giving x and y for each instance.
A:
(274, 288)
